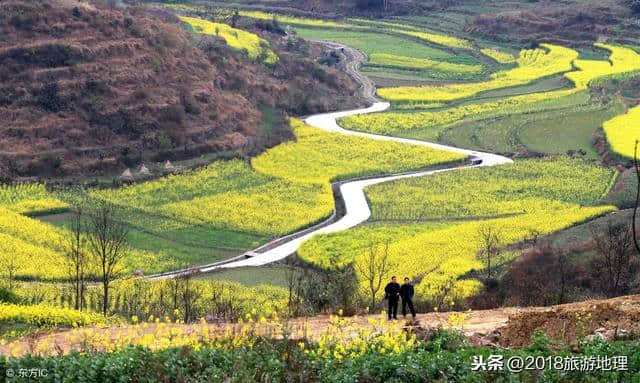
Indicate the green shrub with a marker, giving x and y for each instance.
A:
(8, 296)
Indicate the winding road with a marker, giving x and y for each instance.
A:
(355, 202)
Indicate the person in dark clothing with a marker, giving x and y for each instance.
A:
(392, 293)
(406, 293)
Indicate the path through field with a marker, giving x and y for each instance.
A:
(507, 327)
(355, 202)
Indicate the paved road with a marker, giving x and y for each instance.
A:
(357, 209)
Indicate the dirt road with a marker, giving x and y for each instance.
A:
(504, 327)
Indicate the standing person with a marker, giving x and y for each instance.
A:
(392, 293)
(406, 293)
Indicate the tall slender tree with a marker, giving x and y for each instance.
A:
(637, 206)
(107, 237)
(373, 267)
(76, 256)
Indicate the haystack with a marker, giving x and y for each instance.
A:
(126, 176)
(144, 171)
(168, 166)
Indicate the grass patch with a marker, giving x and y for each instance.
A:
(545, 131)
(372, 42)
(567, 131)
(251, 276)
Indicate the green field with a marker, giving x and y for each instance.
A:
(381, 43)
(545, 101)
(215, 212)
(431, 225)
(537, 132)
(251, 276)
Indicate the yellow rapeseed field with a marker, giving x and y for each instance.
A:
(287, 187)
(499, 56)
(533, 64)
(254, 46)
(623, 131)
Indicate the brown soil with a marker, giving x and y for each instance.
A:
(86, 89)
(570, 321)
(510, 327)
(579, 23)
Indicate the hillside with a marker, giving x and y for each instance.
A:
(87, 89)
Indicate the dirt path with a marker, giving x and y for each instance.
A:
(510, 327)
(351, 61)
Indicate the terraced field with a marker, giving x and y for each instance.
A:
(432, 224)
(256, 47)
(212, 213)
(397, 56)
(533, 64)
(430, 125)
(478, 95)
(623, 132)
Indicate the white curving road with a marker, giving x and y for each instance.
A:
(357, 209)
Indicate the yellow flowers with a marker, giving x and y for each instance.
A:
(48, 316)
(340, 339)
(296, 20)
(32, 247)
(255, 47)
(288, 187)
(623, 131)
(394, 122)
(624, 60)
(307, 160)
(516, 199)
(449, 41)
(522, 187)
(458, 319)
(532, 65)
(389, 60)
(499, 56)
(621, 60)
(337, 340)
(29, 198)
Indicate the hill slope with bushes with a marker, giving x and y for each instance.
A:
(86, 89)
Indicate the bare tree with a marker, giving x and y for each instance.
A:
(636, 163)
(373, 268)
(542, 276)
(563, 275)
(234, 18)
(76, 256)
(614, 250)
(190, 295)
(490, 241)
(342, 284)
(294, 280)
(11, 267)
(107, 238)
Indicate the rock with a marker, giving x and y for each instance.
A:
(596, 336)
(138, 273)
